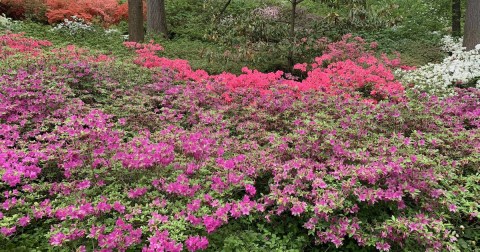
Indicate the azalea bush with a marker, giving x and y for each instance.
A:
(7, 23)
(108, 12)
(349, 67)
(460, 69)
(101, 156)
(74, 27)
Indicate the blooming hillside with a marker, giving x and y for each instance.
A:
(100, 155)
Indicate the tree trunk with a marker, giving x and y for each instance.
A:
(220, 14)
(292, 34)
(156, 17)
(135, 21)
(456, 17)
(471, 36)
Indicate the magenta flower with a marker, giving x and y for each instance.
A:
(118, 207)
(250, 189)
(298, 208)
(195, 243)
(211, 223)
(24, 221)
(452, 208)
(382, 246)
(57, 239)
(8, 231)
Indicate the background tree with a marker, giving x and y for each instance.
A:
(471, 36)
(135, 21)
(456, 17)
(222, 11)
(293, 39)
(156, 17)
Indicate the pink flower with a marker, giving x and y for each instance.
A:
(452, 208)
(319, 183)
(24, 221)
(195, 243)
(57, 239)
(8, 231)
(250, 189)
(211, 223)
(83, 185)
(382, 246)
(137, 192)
(103, 206)
(301, 67)
(298, 208)
(194, 205)
(118, 207)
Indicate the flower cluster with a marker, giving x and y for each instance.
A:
(73, 26)
(16, 43)
(460, 69)
(268, 12)
(108, 11)
(7, 23)
(347, 68)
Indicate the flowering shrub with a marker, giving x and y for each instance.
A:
(461, 69)
(108, 11)
(13, 44)
(92, 162)
(7, 23)
(346, 68)
(75, 26)
(350, 65)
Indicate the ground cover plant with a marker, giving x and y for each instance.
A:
(149, 154)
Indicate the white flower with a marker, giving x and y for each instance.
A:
(439, 79)
(7, 23)
(73, 27)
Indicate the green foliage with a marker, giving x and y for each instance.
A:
(248, 234)
(96, 39)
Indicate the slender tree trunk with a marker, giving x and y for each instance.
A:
(471, 36)
(292, 34)
(156, 17)
(456, 17)
(135, 21)
(220, 14)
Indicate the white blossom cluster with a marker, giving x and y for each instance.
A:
(73, 26)
(116, 32)
(268, 12)
(112, 32)
(462, 68)
(7, 23)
